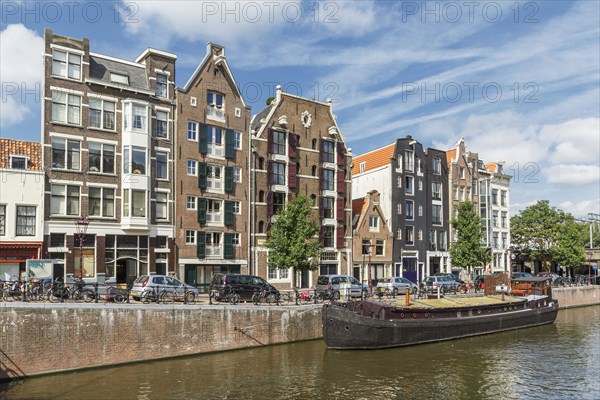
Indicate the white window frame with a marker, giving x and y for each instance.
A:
(237, 174)
(409, 210)
(128, 160)
(103, 113)
(128, 206)
(191, 203)
(436, 166)
(237, 207)
(373, 223)
(102, 200)
(215, 149)
(13, 158)
(190, 237)
(164, 121)
(166, 86)
(192, 168)
(66, 147)
(213, 182)
(65, 199)
(214, 217)
(57, 97)
(409, 188)
(193, 131)
(165, 203)
(438, 186)
(237, 140)
(31, 220)
(101, 170)
(2, 219)
(441, 220)
(67, 64)
(166, 154)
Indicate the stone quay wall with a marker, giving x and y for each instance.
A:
(577, 296)
(45, 338)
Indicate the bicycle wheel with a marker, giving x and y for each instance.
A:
(256, 298)
(234, 299)
(88, 295)
(53, 296)
(167, 297)
(146, 297)
(191, 297)
(120, 298)
(215, 297)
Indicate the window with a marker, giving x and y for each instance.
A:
(278, 202)
(420, 234)
(213, 244)
(161, 205)
(137, 163)
(399, 209)
(66, 108)
(161, 124)
(379, 247)
(25, 220)
(214, 178)
(503, 197)
(328, 234)
(237, 207)
(137, 206)
(64, 200)
(191, 202)
(17, 162)
(436, 166)
(101, 158)
(409, 209)
(436, 190)
(455, 192)
(136, 117)
(495, 243)
(215, 141)
(503, 219)
(436, 214)
(362, 166)
(409, 234)
(504, 240)
(2, 219)
(278, 173)
(409, 185)
(373, 223)
(215, 106)
(162, 160)
(57, 240)
(161, 85)
(66, 64)
(495, 218)
(327, 207)
(462, 193)
(190, 237)
(442, 240)
(420, 211)
(101, 202)
(328, 179)
(462, 172)
(409, 161)
(213, 211)
(237, 174)
(101, 114)
(235, 239)
(66, 154)
(399, 234)
(214, 99)
(192, 167)
(237, 140)
(119, 78)
(432, 240)
(278, 142)
(328, 151)
(192, 131)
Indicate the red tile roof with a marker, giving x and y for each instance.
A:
(374, 159)
(357, 205)
(492, 167)
(12, 147)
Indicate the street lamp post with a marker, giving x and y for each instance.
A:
(81, 225)
(366, 249)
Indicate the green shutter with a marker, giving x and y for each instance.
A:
(228, 246)
(228, 213)
(202, 175)
(202, 205)
(203, 139)
(201, 245)
(228, 179)
(229, 142)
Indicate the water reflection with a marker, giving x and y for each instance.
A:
(550, 362)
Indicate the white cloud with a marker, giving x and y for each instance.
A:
(577, 141)
(573, 174)
(21, 69)
(581, 208)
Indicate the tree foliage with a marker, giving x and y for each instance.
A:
(291, 241)
(467, 251)
(546, 234)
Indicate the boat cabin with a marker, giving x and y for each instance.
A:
(539, 286)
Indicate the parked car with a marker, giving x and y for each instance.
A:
(145, 283)
(445, 283)
(396, 284)
(244, 285)
(452, 276)
(554, 277)
(335, 284)
(516, 275)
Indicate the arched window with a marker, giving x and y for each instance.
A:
(261, 163)
(314, 144)
(313, 199)
(314, 170)
(261, 196)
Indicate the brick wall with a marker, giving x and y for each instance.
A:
(41, 338)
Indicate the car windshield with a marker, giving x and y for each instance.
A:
(141, 279)
(323, 280)
(384, 280)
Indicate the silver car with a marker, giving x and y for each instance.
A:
(145, 283)
(335, 285)
(396, 285)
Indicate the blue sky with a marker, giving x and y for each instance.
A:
(520, 81)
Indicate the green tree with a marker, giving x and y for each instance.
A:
(467, 252)
(568, 250)
(291, 241)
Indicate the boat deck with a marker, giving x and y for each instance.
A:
(454, 302)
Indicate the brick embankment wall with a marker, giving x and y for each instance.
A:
(577, 296)
(44, 338)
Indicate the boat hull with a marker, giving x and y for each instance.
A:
(344, 328)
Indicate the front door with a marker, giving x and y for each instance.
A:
(304, 279)
(409, 270)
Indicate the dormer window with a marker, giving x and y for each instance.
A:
(18, 162)
(119, 78)
(161, 85)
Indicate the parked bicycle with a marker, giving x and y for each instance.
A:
(306, 297)
(265, 296)
(231, 297)
(81, 293)
(171, 296)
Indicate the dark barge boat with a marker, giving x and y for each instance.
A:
(374, 324)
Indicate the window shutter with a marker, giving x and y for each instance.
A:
(321, 178)
(203, 139)
(340, 236)
(292, 145)
(270, 203)
(270, 141)
(269, 172)
(321, 154)
(341, 185)
(201, 244)
(202, 206)
(292, 175)
(340, 154)
(229, 150)
(321, 207)
(340, 209)
(228, 179)
(202, 175)
(228, 246)
(228, 213)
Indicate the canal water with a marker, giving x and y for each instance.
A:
(558, 361)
